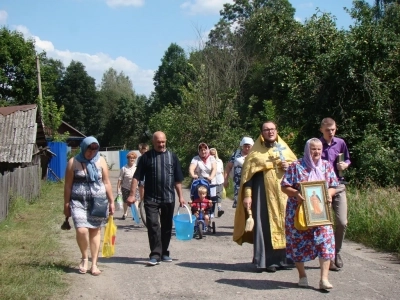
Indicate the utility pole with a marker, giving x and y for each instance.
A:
(40, 96)
(38, 78)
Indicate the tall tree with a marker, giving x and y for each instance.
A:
(77, 93)
(18, 80)
(116, 92)
(52, 72)
(173, 74)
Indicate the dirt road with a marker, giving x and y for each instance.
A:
(216, 267)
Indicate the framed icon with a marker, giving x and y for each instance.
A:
(317, 209)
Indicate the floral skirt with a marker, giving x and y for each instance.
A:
(306, 245)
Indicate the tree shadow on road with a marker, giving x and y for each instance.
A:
(258, 284)
(262, 284)
(124, 260)
(226, 227)
(219, 267)
(131, 227)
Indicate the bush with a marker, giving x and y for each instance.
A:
(379, 163)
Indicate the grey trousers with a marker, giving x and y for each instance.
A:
(339, 205)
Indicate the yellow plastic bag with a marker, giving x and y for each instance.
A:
(300, 218)
(224, 194)
(110, 233)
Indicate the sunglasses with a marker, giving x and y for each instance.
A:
(93, 147)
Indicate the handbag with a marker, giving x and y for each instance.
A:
(98, 206)
(300, 218)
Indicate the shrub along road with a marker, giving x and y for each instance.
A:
(217, 267)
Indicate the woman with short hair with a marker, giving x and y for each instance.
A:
(125, 181)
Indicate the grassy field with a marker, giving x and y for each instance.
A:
(31, 258)
(374, 218)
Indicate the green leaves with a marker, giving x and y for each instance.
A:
(18, 80)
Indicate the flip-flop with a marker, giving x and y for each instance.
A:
(82, 269)
(96, 272)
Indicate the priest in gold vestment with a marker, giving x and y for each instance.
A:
(260, 191)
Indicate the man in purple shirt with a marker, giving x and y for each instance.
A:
(331, 148)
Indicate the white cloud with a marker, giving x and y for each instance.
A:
(205, 7)
(3, 17)
(96, 64)
(116, 3)
(298, 19)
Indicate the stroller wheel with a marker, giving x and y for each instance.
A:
(213, 227)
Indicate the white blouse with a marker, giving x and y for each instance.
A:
(126, 176)
(203, 170)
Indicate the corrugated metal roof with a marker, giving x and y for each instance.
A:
(18, 133)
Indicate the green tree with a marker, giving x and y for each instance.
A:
(52, 118)
(52, 72)
(18, 80)
(77, 93)
(173, 73)
(123, 112)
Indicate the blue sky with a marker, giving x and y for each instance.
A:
(128, 35)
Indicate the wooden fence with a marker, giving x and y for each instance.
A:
(22, 182)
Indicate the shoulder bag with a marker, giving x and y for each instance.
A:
(98, 206)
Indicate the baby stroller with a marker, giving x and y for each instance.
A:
(202, 208)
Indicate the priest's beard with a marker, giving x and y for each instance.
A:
(269, 144)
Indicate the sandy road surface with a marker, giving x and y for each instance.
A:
(217, 267)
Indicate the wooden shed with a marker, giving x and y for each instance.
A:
(22, 143)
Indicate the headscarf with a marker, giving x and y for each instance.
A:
(246, 140)
(204, 159)
(315, 173)
(90, 164)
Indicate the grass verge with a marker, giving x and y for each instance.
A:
(374, 218)
(31, 260)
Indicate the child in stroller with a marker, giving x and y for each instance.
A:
(201, 206)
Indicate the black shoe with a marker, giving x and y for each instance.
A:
(123, 217)
(270, 269)
(220, 213)
(283, 266)
(338, 261)
(333, 267)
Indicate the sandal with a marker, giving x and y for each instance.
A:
(95, 271)
(83, 266)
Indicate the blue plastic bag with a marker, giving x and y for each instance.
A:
(135, 214)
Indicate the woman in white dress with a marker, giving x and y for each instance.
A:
(219, 177)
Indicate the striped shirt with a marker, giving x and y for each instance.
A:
(162, 171)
